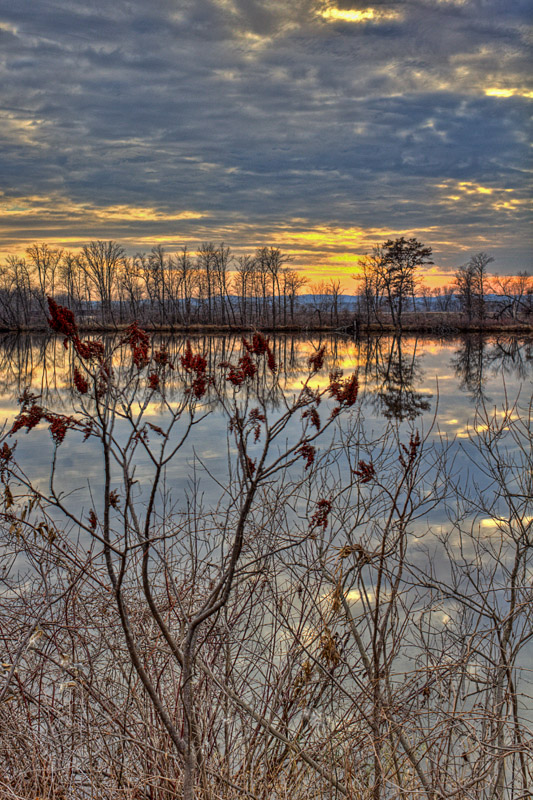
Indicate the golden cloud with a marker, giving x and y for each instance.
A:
(333, 14)
(514, 92)
(57, 207)
(497, 198)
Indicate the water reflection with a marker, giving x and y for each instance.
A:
(470, 362)
(395, 370)
(42, 364)
(397, 375)
(477, 359)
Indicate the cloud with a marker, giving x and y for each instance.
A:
(348, 115)
(376, 16)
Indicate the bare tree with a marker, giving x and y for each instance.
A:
(320, 300)
(479, 263)
(390, 271)
(159, 266)
(516, 290)
(205, 262)
(270, 261)
(334, 290)
(400, 259)
(130, 280)
(470, 280)
(466, 289)
(186, 283)
(243, 285)
(222, 263)
(293, 282)
(444, 297)
(16, 295)
(72, 281)
(101, 262)
(369, 283)
(45, 262)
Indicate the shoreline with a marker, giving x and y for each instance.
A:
(438, 328)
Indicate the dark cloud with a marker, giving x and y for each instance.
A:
(260, 114)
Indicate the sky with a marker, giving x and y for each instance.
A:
(320, 127)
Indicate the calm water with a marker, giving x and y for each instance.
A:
(414, 381)
(430, 385)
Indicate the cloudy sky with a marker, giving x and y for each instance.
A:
(320, 127)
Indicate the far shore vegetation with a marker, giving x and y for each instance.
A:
(212, 290)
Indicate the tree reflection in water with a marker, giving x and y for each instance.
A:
(396, 371)
(478, 357)
(391, 369)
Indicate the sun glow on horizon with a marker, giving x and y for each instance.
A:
(319, 251)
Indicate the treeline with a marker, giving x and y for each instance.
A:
(390, 285)
(105, 287)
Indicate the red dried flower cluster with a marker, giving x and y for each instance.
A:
(104, 375)
(308, 396)
(246, 368)
(113, 499)
(308, 452)
(58, 427)
(30, 417)
(89, 349)
(411, 451)
(199, 386)
(195, 364)
(313, 416)
(87, 429)
(93, 521)
(139, 342)
(259, 346)
(153, 381)
(250, 465)
(162, 358)
(366, 471)
(62, 320)
(316, 361)
(80, 382)
(255, 418)
(6, 454)
(320, 517)
(344, 391)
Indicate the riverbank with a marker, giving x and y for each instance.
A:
(432, 322)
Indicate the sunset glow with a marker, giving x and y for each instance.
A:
(509, 93)
(364, 15)
(320, 128)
